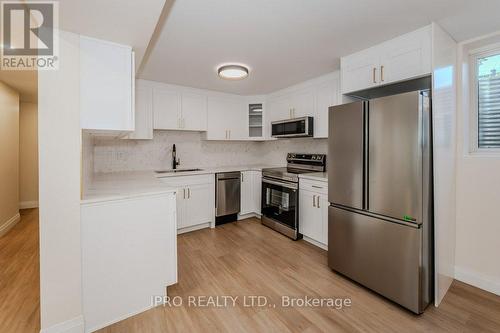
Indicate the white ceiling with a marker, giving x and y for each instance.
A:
(129, 22)
(288, 41)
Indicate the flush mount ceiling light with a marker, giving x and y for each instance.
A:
(232, 72)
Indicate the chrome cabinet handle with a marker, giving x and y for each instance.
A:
(189, 193)
(382, 73)
(184, 193)
(314, 200)
(318, 202)
(315, 186)
(242, 177)
(374, 75)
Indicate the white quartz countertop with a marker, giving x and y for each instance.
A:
(121, 185)
(213, 170)
(320, 176)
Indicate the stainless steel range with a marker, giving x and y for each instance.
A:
(280, 192)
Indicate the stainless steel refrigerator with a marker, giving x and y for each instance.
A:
(380, 217)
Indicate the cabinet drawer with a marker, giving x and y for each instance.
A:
(314, 186)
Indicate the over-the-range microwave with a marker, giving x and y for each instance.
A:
(293, 128)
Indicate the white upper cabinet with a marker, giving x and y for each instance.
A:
(194, 112)
(360, 70)
(226, 118)
(107, 80)
(309, 99)
(302, 103)
(166, 109)
(143, 113)
(177, 109)
(327, 94)
(279, 108)
(405, 57)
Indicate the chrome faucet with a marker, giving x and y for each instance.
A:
(175, 160)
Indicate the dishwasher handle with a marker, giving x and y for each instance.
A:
(228, 175)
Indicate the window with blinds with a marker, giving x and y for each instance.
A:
(488, 101)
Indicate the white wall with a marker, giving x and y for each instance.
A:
(478, 194)
(59, 165)
(28, 155)
(9, 157)
(444, 68)
(129, 155)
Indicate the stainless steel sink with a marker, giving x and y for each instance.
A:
(177, 170)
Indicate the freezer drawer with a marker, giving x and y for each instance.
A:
(383, 256)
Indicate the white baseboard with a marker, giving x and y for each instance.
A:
(75, 325)
(28, 204)
(116, 320)
(193, 228)
(485, 282)
(315, 243)
(7, 225)
(247, 216)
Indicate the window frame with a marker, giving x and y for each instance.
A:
(474, 56)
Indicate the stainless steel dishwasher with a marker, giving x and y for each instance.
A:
(227, 196)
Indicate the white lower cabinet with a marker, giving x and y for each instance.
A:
(257, 191)
(246, 206)
(195, 200)
(313, 211)
(129, 253)
(251, 184)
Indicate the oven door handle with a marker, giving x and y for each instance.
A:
(286, 185)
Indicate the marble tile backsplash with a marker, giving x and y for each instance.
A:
(111, 155)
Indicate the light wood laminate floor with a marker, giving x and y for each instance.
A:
(245, 258)
(20, 276)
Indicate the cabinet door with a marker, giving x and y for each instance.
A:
(302, 103)
(323, 215)
(106, 85)
(217, 125)
(406, 57)
(327, 95)
(194, 112)
(198, 207)
(238, 129)
(360, 70)
(166, 109)
(181, 208)
(246, 193)
(256, 191)
(143, 114)
(278, 109)
(226, 119)
(309, 215)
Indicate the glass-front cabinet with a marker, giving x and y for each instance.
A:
(255, 120)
